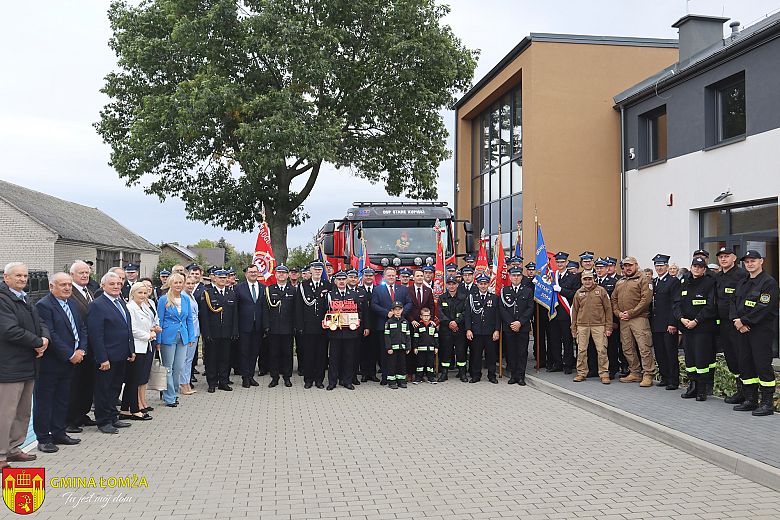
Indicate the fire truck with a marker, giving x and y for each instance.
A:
(394, 233)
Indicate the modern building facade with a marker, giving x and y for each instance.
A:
(700, 145)
(538, 136)
(49, 234)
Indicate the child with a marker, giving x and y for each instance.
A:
(398, 343)
(426, 345)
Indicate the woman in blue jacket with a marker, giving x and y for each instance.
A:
(178, 333)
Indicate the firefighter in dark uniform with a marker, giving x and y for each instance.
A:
(397, 343)
(369, 345)
(467, 286)
(353, 284)
(695, 311)
(343, 340)
(131, 276)
(310, 307)
(516, 306)
(218, 318)
(726, 282)
(663, 324)
(754, 317)
(482, 329)
(540, 322)
(560, 327)
(279, 322)
(452, 331)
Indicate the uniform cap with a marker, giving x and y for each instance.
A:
(516, 260)
(317, 265)
(531, 266)
(701, 252)
(482, 278)
(165, 272)
(340, 274)
(452, 279)
(352, 272)
(561, 255)
(210, 270)
(452, 267)
(429, 269)
(405, 271)
(466, 269)
(611, 260)
(725, 250)
(752, 253)
(660, 259)
(220, 272)
(397, 305)
(295, 270)
(515, 270)
(282, 269)
(572, 264)
(368, 272)
(587, 255)
(699, 261)
(231, 271)
(132, 268)
(601, 262)
(192, 267)
(469, 258)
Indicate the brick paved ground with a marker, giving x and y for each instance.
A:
(711, 420)
(452, 451)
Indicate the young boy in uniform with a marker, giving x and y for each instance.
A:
(398, 343)
(426, 345)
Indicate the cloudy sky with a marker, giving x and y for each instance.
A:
(54, 57)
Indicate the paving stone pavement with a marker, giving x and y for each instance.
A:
(712, 420)
(448, 451)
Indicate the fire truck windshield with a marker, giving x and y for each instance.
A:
(402, 237)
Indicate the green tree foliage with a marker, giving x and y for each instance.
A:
(166, 261)
(300, 256)
(225, 103)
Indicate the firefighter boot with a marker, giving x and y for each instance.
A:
(701, 391)
(738, 396)
(462, 375)
(443, 375)
(709, 390)
(767, 406)
(690, 392)
(751, 399)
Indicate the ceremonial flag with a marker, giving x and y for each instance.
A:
(543, 280)
(482, 261)
(519, 240)
(363, 255)
(264, 255)
(500, 276)
(321, 258)
(438, 277)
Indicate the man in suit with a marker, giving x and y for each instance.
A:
(382, 299)
(23, 338)
(82, 386)
(663, 325)
(310, 308)
(279, 322)
(111, 338)
(421, 297)
(249, 298)
(67, 349)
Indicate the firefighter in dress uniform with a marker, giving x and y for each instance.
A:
(218, 319)
(310, 309)
(279, 323)
(754, 314)
(364, 299)
(516, 306)
(663, 324)
(482, 329)
(343, 339)
(452, 331)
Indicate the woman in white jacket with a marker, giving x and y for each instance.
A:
(144, 332)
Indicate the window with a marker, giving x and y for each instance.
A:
(726, 118)
(653, 136)
(498, 172)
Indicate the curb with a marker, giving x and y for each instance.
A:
(745, 467)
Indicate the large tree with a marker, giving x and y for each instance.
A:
(225, 103)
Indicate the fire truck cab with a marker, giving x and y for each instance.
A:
(395, 233)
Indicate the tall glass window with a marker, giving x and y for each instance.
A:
(498, 175)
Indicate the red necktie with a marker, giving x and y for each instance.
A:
(392, 293)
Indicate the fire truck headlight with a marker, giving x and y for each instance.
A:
(429, 261)
(417, 261)
(385, 262)
(396, 262)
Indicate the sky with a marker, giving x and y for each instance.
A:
(55, 55)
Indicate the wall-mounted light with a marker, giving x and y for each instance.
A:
(726, 194)
(631, 154)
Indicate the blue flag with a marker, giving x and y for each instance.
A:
(321, 258)
(543, 283)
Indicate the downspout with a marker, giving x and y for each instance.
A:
(455, 241)
(623, 201)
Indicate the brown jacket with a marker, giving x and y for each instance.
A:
(633, 295)
(591, 308)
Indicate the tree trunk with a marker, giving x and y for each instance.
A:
(277, 223)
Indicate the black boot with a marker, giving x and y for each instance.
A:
(690, 392)
(751, 399)
(767, 406)
(710, 382)
(443, 375)
(701, 392)
(738, 397)
(462, 375)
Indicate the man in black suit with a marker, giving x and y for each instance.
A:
(82, 386)
(67, 348)
(663, 325)
(249, 298)
(218, 326)
(111, 338)
(279, 323)
(310, 308)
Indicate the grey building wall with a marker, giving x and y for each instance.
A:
(687, 106)
(25, 240)
(66, 253)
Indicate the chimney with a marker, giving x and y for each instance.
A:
(698, 32)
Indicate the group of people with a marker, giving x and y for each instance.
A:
(83, 345)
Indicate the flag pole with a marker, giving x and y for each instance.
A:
(498, 294)
(536, 304)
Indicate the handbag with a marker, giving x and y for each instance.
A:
(158, 376)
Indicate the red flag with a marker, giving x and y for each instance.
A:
(438, 277)
(482, 260)
(264, 255)
(501, 273)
